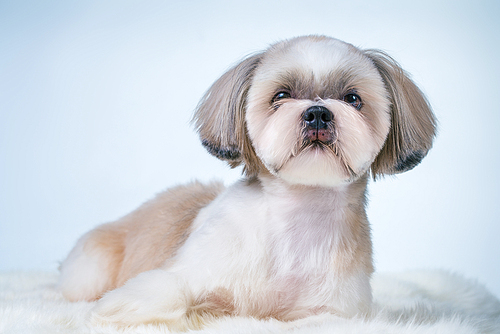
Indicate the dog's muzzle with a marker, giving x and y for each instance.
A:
(318, 121)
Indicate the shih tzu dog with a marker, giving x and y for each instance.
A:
(310, 120)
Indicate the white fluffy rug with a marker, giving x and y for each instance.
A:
(413, 302)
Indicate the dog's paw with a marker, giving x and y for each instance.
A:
(155, 296)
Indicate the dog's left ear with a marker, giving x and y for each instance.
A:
(220, 117)
(413, 125)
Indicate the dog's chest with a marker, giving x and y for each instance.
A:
(303, 237)
(277, 248)
(297, 230)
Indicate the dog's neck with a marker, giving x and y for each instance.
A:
(312, 230)
(350, 194)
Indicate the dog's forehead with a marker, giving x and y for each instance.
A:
(308, 64)
(315, 55)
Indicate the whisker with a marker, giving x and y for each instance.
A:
(335, 148)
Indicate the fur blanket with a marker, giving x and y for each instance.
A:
(412, 302)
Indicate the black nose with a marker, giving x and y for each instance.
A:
(317, 117)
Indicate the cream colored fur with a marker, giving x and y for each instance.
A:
(291, 239)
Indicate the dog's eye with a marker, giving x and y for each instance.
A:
(281, 95)
(354, 100)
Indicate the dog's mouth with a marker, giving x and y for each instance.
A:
(316, 145)
(324, 146)
(319, 137)
(323, 139)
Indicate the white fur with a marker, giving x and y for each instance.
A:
(270, 232)
(416, 302)
(144, 299)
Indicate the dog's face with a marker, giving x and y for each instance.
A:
(316, 111)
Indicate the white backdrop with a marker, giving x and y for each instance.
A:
(96, 98)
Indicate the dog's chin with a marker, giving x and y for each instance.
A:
(316, 164)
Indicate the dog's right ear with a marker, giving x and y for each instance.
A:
(220, 117)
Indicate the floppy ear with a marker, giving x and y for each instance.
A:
(413, 125)
(220, 117)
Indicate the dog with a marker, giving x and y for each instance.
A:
(310, 120)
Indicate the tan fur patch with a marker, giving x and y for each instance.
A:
(357, 254)
(109, 242)
(144, 239)
(218, 302)
(155, 234)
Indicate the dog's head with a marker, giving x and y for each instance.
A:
(314, 110)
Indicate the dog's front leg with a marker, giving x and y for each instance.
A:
(155, 296)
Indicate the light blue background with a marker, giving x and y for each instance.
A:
(96, 98)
